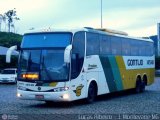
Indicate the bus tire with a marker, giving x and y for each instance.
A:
(92, 92)
(144, 83)
(142, 86)
(138, 85)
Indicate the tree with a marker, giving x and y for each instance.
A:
(11, 16)
(8, 40)
(1, 19)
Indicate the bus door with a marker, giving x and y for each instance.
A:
(78, 77)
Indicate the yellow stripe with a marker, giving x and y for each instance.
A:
(53, 84)
(129, 76)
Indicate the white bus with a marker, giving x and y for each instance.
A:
(69, 65)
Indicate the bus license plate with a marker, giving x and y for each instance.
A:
(39, 96)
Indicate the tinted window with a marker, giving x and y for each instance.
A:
(149, 48)
(92, 44)
(152, 48)
(46, 40)
(142, 51)
(126, 48)
(116, 45)
(134, 48)
(79, 44)
(30, 60)
(53, 66)
(105, 45)
(78, 51)
(47, 62)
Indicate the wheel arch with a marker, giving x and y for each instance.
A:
(145, 78)
(138, 79)
(95, 83)
(138, 76)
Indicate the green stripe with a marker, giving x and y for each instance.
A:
(108, 73)
(116, 73)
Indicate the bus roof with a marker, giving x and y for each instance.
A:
(86, 29)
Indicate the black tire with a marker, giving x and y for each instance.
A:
(143, 84)
(138, 85)
(92, 93)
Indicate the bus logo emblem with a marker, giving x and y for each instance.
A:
(39, 88)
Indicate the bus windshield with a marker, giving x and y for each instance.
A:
(48, 63)
(43, 54)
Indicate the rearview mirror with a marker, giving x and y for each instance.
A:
(9, 53)
(67, 53)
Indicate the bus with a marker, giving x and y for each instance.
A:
(68, 65)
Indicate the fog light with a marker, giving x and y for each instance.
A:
(65, 96)
(19, 95)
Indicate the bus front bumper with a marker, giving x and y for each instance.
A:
(44, 96)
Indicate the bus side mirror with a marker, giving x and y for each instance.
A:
(67, 53)
(9, 53)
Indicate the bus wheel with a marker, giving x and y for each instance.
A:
(142, 86)
(144, 83)
(138, 85)
(92, 92)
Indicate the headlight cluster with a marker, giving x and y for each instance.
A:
(22, 88)
(65, 96)
(19, 95)
(60, 89)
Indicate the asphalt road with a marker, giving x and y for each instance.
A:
(119, 104)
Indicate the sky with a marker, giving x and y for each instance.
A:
(136, 17)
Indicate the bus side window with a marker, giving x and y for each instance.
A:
(147, 50)
(77, 57)
(93, 44)
(134, 48)
(116, 45)
(141, 48)
(74, 65)
(126, 47)
(152, 49)
(105, 45)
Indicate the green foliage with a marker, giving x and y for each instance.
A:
(13, 64)
(8, 40)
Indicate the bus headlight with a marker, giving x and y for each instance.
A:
(65, 96)
(64, 88)
(61, 89)
(19, 95)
